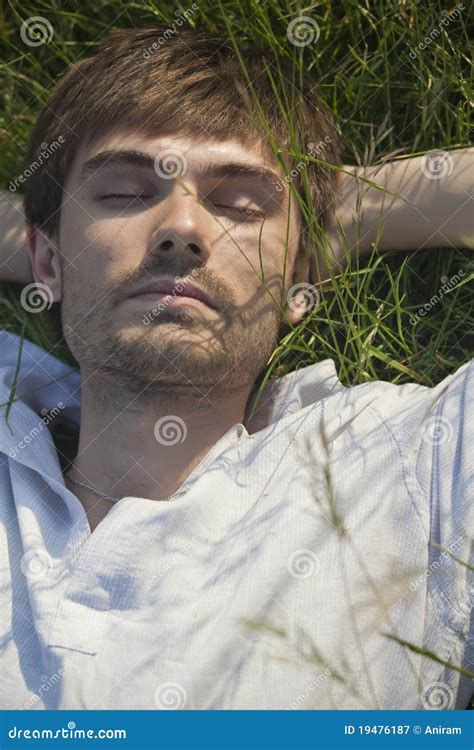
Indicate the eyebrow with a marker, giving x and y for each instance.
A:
(267, 178)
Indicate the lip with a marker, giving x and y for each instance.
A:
(169, 300)
(190, 293)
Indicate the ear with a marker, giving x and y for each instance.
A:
(44, 257)
(298, 292)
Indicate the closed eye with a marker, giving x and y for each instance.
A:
(129, 198)
(118, 196)
(243, 211)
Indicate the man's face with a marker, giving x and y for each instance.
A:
(206, 213)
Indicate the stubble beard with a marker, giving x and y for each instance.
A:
(179, 355)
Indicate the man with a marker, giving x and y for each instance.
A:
(200, 550)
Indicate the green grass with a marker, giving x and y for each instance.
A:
(384, 102)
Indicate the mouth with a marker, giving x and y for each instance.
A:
(174, 292)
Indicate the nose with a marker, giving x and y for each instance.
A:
(184, 227)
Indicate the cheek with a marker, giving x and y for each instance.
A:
(103, 248)
(273, 250)
(238, 256)
(240, 261)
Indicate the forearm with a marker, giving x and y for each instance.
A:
(14, 260)
(424, 204)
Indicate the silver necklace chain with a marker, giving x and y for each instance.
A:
(92, 489)
(108, 497)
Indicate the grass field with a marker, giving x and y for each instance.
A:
(387, 95)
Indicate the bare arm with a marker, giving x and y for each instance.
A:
(14, 259)
(427, 201)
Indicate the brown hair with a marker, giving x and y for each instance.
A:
(188, 82)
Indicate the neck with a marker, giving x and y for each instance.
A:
(147, 444)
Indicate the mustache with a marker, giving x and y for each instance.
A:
(179, 268)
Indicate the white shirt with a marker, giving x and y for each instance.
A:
(241, 593)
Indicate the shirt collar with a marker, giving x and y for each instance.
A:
(294, 391)
(36, 390)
